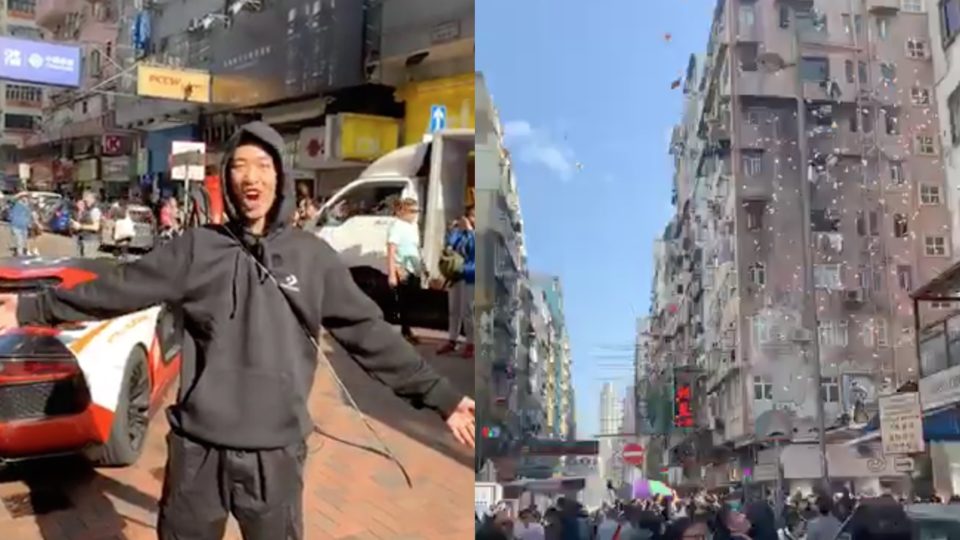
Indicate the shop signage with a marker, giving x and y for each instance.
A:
(552, 447)
(193, 154)
(365, 137)
(112, 145)
(116, 169)
(941, 388)
(143, 161)
(87, 170)
(422, 101)
(39, 62)
(683, 408)
(174, 84)
(901, 424)
(312, 150)
(308, 51)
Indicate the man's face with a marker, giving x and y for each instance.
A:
(253, 179)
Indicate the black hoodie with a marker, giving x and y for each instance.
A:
(248, 385)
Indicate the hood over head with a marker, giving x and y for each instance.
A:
(284, 207)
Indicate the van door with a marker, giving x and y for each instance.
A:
(355, 221)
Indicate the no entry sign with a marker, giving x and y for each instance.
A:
(633, 454)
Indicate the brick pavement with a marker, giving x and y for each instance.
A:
(350, 493)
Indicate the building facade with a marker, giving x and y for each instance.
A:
(800, 112)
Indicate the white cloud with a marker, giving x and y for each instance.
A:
(536, 146)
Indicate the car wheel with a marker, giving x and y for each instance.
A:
(132, 417)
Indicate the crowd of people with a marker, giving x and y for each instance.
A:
(706, 517)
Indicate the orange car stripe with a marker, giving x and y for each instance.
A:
(83, 341)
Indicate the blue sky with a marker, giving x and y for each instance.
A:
(588, 83)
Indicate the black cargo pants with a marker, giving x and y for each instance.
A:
(203, 485)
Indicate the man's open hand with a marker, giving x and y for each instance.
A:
(8, 312)
(463, 421)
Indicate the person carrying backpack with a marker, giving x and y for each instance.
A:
(458, 266)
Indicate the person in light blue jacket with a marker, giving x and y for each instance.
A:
(21, 218)
(463, 239)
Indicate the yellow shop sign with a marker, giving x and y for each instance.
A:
(454, 93)
(364, 137)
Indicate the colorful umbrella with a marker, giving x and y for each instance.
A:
(646, 489)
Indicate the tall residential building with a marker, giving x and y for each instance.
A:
(21, 104)
(944, 28)
(611, 410)
(835, 95)
(562, 403)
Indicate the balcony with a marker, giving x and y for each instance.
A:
(883, 7)
(50, 13)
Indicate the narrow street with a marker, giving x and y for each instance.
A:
(350, 492)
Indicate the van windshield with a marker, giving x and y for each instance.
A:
(363, 200)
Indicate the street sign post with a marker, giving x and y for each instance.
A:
(438, 118)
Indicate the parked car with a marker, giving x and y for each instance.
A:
(144, 225)
(85, 387)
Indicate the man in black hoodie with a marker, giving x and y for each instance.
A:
(251, 292)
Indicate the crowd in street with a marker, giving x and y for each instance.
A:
(705, 517)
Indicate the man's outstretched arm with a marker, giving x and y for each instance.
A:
(159, 276)
(355, 321)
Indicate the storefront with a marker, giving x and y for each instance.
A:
(116, 173)
(456, 94)
(329, 157)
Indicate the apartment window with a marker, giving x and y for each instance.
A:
(899, 225)
(815, 69)
(21, 121)
(830, 390)
(754, 117)
(912, 6)
(25, 32)
(920, 96)
(761, 332)
(752, 165)
(924, 145)
(832, 333)
(758, 274)
(916, 48)
(848, 70)
(869, 334)
(891, 121)
(883, 27)
(953, 104)
(935, 246)
(754, 215)
(748, 53)
(888, 72)
(905, 277)
(748, 15)
(883, 332)
(868, 223)
(24, 94)
(827, 276)
(866, 116)
(854, 122)
(862, 72)
(940, 305)
(897, 178)
(784, 17)
(22, 6)
(929, 194)
(949, 20)
(869, 279)
(762, 388)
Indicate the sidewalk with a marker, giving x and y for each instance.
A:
(350, 493)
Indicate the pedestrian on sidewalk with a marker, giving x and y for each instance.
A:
(404, 263)
(254, 292)
(461, 244)
(21, 220)
(87, 225)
